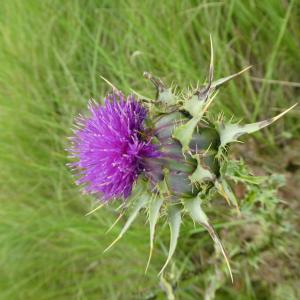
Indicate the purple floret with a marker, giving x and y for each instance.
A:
(110, 146)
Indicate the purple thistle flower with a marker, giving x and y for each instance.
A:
(110, 146)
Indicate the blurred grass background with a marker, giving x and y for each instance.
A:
(52, 54)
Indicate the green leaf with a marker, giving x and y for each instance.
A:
(225, 190)
(140, 203)
(196, 104)
(167, 97)
(174, 216)
(193, 206)
(231, 132)
(167, 287)
(237, 171)
(164, 94)
(184, 133)
(216, 84)
(193, 106)
(201, 174)
(154, 209)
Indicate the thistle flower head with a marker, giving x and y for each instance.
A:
(110, 146)
(184, 169)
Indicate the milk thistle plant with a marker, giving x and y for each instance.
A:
(164, 156)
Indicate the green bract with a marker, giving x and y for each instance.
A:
(194, 161)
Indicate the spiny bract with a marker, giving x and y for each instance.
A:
(167, 151)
